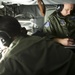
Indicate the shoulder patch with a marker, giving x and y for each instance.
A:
(62, 22)
(47, 24)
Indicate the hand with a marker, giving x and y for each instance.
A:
(65, 41)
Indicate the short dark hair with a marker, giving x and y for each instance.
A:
(10, 25)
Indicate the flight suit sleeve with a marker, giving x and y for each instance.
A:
(2, 68)
(49, 27)
(5, 69)
(61, 61)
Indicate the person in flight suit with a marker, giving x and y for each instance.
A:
(32, 55)
(61, 25)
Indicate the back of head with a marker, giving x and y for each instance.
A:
(9, 28)
(10, 25)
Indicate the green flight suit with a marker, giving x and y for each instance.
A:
(37, 56)
(60, 26)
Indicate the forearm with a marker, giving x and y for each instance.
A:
(41, 7)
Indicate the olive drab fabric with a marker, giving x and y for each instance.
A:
(38, 56)
(60, 26)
